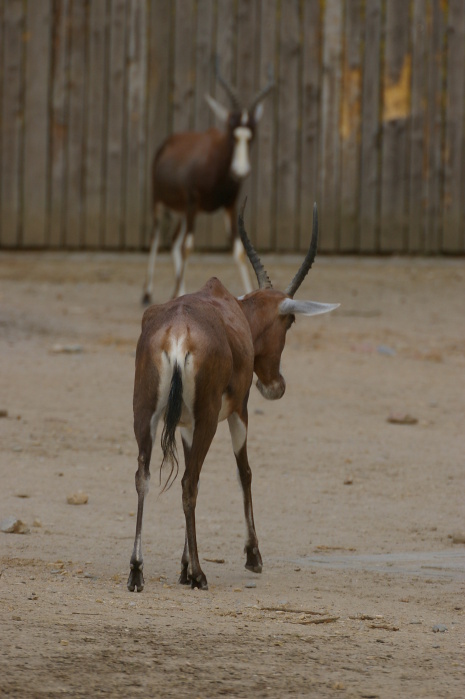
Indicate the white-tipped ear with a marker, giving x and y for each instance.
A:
(258, 112)
(217, 108)
(306, 308)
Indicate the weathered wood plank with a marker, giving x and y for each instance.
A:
(224, 41)
(417, 203)
(203, 117)
(311, 82)
(36, 123)
(59, 123)
(183, 89)
(396, 114)
(369, 153)
(453, 236)
(94, 184)
(159, 77)
(114, 164)
(246, 85)
(11, 123)
(288, 159)
(136, 105)
(350, 128)
(434, 101)
(330, 142)
(263, 226)
(75, 131)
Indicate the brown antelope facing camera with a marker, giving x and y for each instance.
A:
(195, 361)
(202, 172)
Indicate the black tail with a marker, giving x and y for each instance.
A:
(172, 417)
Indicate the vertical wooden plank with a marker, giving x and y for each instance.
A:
(75, 132)
(11, 123)
(350, 128)
(453, 236)
(36, 123)
(396, 114)
(263, 229)
(288, 109)
(246, 84)
(434, 110)
(94, 185)
(330, 143)
(369, 175)
(311, 82)
(136, 102)
(183, 102)
(225, 37)
(114, 204)
(203, 117)
(159, 81)
(417, 134)
(58, 122)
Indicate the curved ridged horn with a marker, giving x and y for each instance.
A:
(231, 92)
(263, 93)
(309, 258)
(262, 277)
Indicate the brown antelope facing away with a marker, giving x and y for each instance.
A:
(202, 172)
(195, 361)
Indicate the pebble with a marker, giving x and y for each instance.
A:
(12, 525)
(250, 584)
(3, 413)
(439, 628)
(402, 419)
(458, 537)
(79, 498)
(67, 349)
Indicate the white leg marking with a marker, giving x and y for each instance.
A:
(238, 432)
(178, 257)
(239, 256)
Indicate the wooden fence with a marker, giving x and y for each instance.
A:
(368, 118)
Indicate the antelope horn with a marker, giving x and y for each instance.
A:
(262, 277)
(231, 92)
(263, 93)
(309, 258)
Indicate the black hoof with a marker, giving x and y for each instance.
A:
(146, 299)
(200, 582)
(184, 578)
(136, 580)
(254, 560)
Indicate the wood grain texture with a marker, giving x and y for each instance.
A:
(11, 134)
(370, 138)
(395, 120)
(36, 124)
(95, 145)
(310, 119)
(330, 141)
(453, 235)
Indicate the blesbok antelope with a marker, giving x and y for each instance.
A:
(195, 361)
(201, 172)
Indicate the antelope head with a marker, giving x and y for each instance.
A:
(240, 122)
(271, 313)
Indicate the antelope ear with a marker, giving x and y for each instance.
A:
(217, 108)
(306, 308)
(258, 112)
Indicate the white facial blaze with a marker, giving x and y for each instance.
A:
(240, 166)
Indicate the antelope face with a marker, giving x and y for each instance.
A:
(243, 134)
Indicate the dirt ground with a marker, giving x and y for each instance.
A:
(361, 521)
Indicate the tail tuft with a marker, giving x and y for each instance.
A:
(172, 417)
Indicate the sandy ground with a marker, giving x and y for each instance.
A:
(359, 519)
